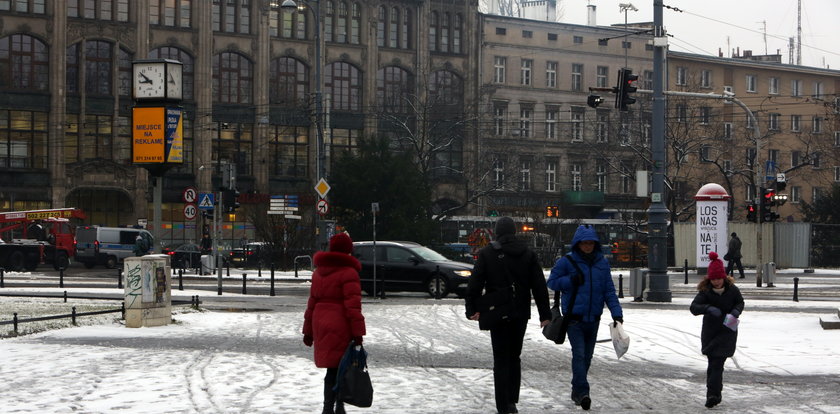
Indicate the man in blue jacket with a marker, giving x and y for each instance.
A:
(590, 282)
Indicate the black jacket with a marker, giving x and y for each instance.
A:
(716, 339)
(523, 266)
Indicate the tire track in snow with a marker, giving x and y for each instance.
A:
(275, 374)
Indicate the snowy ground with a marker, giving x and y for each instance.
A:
(425, 357)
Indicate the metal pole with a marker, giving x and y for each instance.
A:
(374, 254)
(659, 289)
(217, 215)
(157, 222)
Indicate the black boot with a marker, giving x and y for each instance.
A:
(339, 408)
(329, 399)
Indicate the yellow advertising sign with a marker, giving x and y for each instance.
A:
(157, 135)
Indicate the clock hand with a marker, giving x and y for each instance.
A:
(145, 78)
(171, 79)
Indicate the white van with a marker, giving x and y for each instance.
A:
(107, 245)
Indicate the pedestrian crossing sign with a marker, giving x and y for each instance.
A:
(206, 201)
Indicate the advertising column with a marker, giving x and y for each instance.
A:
(148, 293)
(712, 213)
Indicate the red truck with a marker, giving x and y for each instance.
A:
(29, 238)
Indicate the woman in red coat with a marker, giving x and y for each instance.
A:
(334, 312)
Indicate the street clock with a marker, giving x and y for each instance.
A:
(158, 79)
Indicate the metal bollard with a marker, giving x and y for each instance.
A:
(180, 279)
(685, 269)
(271, 292)
(796, 289)
(259, 269)
(244, 277)
(227, 266)
(61, 277)
(15, 322)
(437, 282)
(2, 276)
(620, 286)
(73, 315)
(122, 310)
(119, 277)
(65, 296)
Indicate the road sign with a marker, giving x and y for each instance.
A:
(206, 201)
(190, 211)
(190, 195)
(323, 207)
(322, 188)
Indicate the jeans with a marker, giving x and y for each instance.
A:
(507, 368)
(582, 336)
(714, 376)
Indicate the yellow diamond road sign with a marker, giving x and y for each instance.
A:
(322, 188)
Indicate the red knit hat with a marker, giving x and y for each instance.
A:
(716, 270)
(341, 243)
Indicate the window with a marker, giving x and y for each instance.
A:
(815, 160)
(98, 70)
(795, 158)
(601, 76)
(837, 174)
(232, 144)
(749, 121)
(577, 124)
(188, 68)
(552, 36)
(773, 121)
(727, 130)
(551, 74)
(603, 42)
(231, 16)
(727, 167)
(24, 63)
(289, 146)
(705, 115)
(602, 127)
(525, 175)
(601, 177)
(816, 194)
(750, 155)
(773, 88)
(626, 45)
(795, 123)
(816, 123)
(626, 178)
(837, 138)
(647, 80)
(527, 34)
(705, 152)
(525, 71)
(175, 13)
(551, 176)
(499, 118)
(288, 85)
(88, 138)
(232, 78)
(818, 90)
(682, 113)
(445, 32)
(577, 77)
(23, 139)
(343, 82)
(575, 177)
(706, 79)
(795, 194)
(501, 31)
(338, 18)
(682, 76)
(796, 87)
(288, 24)
(499, 69)
(393, 85)
(750, 83)
(114, 10)
(551, 122)
(525, 113)
(727, 89)
(499, 173)
(577, 39)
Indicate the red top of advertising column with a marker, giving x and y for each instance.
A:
(712, 192)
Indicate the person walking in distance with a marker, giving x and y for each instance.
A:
(509, 270)
(334, 312)
(586, 274)
(733, 253)
(721, 303)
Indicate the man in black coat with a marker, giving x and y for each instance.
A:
(508, 273)
(733, 253)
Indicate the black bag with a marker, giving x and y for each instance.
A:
(556, 330)
(354, 386)
(495, 307)
(727, 257)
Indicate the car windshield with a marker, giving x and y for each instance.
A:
(427, 253)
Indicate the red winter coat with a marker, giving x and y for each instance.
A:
(334, 312)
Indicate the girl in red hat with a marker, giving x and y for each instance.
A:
(721, 303)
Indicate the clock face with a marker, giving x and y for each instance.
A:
(174, 82)
(149, 79)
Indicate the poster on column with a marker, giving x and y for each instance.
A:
(711, 230)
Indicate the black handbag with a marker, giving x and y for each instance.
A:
(354, 386)
(555, 331)
(495, 307)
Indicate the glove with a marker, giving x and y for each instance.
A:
(357, 340)
(619, 320)
(307, 340)
(714, 311)
(577, 279)
(735, 312)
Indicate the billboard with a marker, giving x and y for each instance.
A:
(157, 135)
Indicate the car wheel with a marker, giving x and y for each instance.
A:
(15, 261)
(111, 262)
(437, 286)
(61, 261)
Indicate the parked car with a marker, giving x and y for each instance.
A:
(410, 267)
(185, 256)
(251, 255)
(107, 245)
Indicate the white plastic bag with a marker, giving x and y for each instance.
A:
(620, 339)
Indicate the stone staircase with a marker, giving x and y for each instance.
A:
(831, 321)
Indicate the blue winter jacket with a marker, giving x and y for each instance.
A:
(597, 289)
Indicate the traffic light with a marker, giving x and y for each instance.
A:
(626, 86)
(751, 214)
(492, 213)
(594, 100)
(769, 197)
(780, 186)
(768, 200)
(230, 201)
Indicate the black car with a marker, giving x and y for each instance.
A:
(410, 267)
(252, 255)
(185, 256)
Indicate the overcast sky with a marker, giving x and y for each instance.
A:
(706, 26)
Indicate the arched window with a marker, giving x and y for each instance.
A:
(343, 82)
(24, 63)
(446, 89)
(394, 86)
(97, 55)
(232, 78)
(288, 83)
(174, 53)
